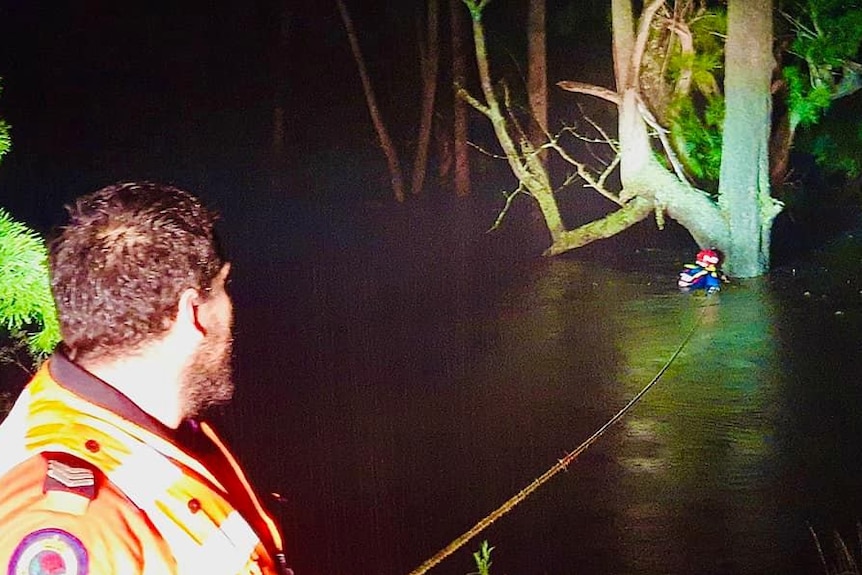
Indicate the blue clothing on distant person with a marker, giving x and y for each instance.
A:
(703, 274)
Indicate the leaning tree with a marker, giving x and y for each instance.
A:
(736, 220)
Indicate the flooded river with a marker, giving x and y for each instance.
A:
(397, 388)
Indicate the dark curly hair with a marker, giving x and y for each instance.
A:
(120, 264)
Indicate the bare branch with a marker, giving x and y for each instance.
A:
(507, 105)
(607, 139)
(590, 89)
(851, 81)
(569, 179)
(467, 97)
(510, 197)
(662, 136)
(644, 24)
(475, 7)
(485, 152)
(371, 101)
(572, 131)
(801, 29)
(584, 173)
(609, 170)
(686, 42)
(493, 112)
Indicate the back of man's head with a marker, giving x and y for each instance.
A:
(120, 264)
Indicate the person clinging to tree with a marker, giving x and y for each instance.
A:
(703, 274)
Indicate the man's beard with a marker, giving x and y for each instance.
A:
(207, 380)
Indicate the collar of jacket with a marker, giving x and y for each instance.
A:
(187, 504)
(72, 377)
(82, 383)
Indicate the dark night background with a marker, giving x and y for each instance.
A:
(184, 92)
(101, 91)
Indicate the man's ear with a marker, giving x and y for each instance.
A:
(188, 311)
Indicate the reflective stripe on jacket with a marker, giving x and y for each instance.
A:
(188, 506)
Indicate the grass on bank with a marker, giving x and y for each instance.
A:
(841, 561)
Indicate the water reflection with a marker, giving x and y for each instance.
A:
(400, 396)
(698, 454)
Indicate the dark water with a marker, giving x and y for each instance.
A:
(395, 389)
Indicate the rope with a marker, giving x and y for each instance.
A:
(559, 466)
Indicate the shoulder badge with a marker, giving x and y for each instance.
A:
(49, 552)
(73, 476)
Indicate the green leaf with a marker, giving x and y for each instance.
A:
(26, 305)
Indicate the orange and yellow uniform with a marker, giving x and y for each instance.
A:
(92, 485)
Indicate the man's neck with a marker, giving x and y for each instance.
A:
(150, 380)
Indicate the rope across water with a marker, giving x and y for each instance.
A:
(556, 468)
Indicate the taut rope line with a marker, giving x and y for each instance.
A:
(559, 466)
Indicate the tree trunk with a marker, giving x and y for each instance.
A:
(429, 59)
(460, 118)
(638, 167)
(395, 174)
(623, 24)
(780, 146)
(648, 187)
(526, 167)
(744, 195)
(537, 74)
(635, 149)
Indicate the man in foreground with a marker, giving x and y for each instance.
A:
(104, 466)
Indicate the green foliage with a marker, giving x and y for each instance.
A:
(836, 142)
(824, 39)
(695, 117)
(709, 28)
(827, 35)
(708, 32)
(5, 135)
(807, 103)
(822, 66)
(28, 318)
(5, 138)
(27, 312)
(828, 155)
(703, 67)
(828, 32)
(696, 135)
(482, 557)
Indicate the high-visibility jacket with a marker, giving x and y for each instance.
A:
(84, 489)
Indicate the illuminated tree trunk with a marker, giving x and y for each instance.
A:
(523, 161)
(744, 183)
(394, 165)
(429, 59)
(740, 222)
(460, 118)
(537, 73)
(641, 174)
